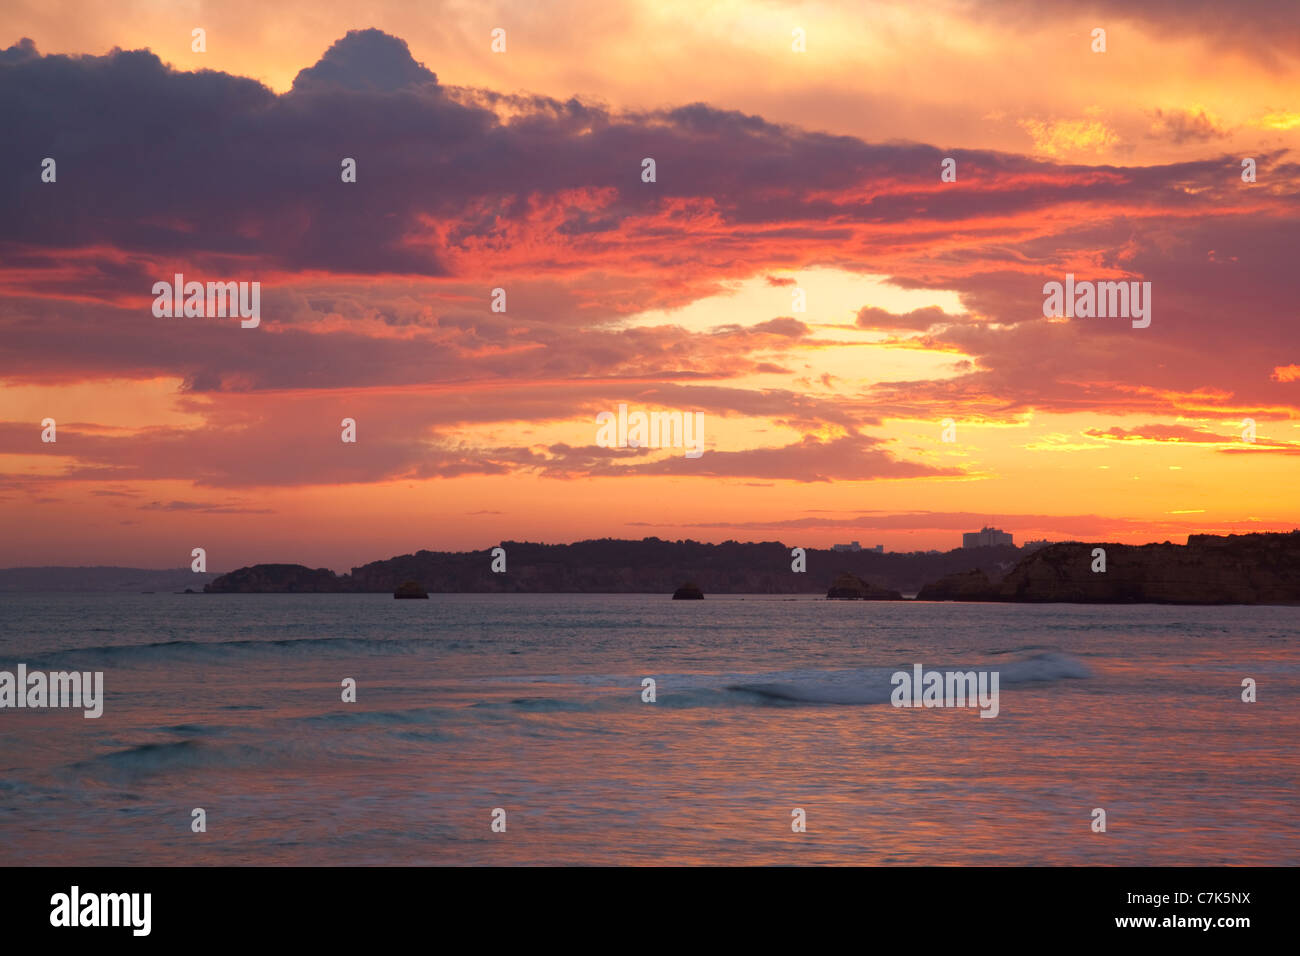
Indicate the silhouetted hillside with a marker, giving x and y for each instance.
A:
(1237, 569)
(610, 565)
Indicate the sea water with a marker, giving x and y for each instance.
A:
(533, 705)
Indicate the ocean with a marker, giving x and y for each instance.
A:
(533, 705)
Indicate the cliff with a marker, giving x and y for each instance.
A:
(1236, 569)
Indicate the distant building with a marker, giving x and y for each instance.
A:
(856, 546)
(986, 537)
(1036, 543)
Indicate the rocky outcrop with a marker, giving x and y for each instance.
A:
(849, 587)
(689, 591)
(277, 579)
(410, 589)
(1209, 569)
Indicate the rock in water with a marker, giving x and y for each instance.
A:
(689, 591)
(850, 587)
(410, 589)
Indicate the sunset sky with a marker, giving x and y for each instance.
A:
(778, 172)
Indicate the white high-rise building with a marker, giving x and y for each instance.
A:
(986, 537)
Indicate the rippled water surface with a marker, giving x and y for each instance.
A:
(533, 703)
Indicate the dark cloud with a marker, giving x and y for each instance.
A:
(368, 61)
(1157, 432)
(383, 284)
(1186, 433)
(217, 172)
(23, 50)
(1263, 27)
(870, 317)
(1184, 126)
(850, 458)
(204, 507)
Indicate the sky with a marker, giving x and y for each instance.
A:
(865, 340)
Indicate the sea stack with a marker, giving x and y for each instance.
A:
(410, 589)
(849, 587)
(689, 591)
